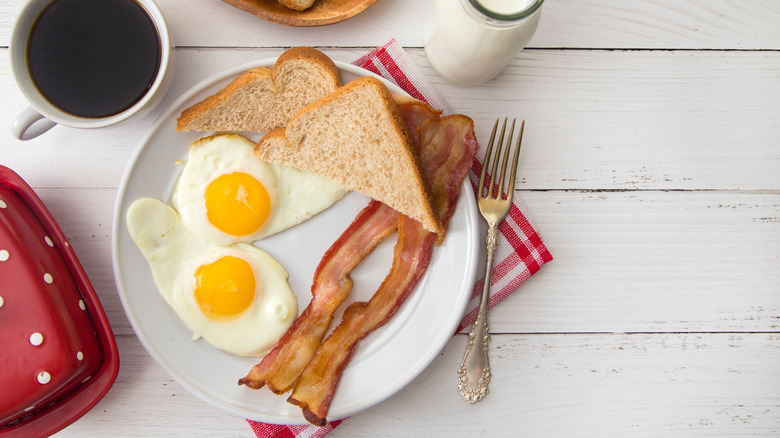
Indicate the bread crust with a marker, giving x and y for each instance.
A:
(270, 81)
(314, 55)
(398, 184)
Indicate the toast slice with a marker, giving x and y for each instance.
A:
(357, 138)
(261, 99)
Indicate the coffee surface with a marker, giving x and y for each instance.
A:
(93, 58)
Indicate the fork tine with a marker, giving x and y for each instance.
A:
(497, 158)
(513, 173)
(504, 161)
(486, 161)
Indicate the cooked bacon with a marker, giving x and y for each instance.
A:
(317, 384)
(415, 113)
(447, 150)
(281, 367)
(456, 131)
(447, 147)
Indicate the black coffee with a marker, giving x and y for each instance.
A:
(93, 58)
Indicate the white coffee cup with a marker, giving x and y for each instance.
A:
(42, 115)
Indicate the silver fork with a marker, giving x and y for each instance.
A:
(474, 370)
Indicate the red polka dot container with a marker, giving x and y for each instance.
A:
(58, 356)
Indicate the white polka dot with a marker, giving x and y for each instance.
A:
(36, 339)
(82, 306)
(44, 377)
(1, 301)
(3, 204)
(3, 255)
(80, 356)
(48, 278)
(67, 244)
(29, 408)
(48, 241)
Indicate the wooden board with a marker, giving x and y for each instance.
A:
(584, 385)
(650, 167)
(322, 12)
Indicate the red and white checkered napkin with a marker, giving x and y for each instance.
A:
(520, 252)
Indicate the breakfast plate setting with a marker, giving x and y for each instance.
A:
(268, 218)
(213, 302)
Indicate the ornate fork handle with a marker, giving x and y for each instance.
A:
(474, 370)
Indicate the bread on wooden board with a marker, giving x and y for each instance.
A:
(298, 5)
(356, 137)
(261, 99)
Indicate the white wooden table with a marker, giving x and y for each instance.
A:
(651, 166)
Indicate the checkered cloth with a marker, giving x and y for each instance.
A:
(520, 252)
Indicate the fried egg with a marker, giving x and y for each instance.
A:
(225, 194)
(235, 297)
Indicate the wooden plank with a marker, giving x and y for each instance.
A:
(565, 23)
(543, 385)
(619, 385)
(671, 24)
(624, 261)
(651, 174)
(596, 120)
(635, 120)
(651, 261)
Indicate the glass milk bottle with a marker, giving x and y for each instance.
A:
(470, 42)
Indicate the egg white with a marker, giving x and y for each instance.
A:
(295, 195)
(174, 255)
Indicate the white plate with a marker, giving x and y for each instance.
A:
(383, 363)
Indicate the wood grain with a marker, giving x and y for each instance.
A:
(596, 120)
(577, 24)
(656, 262)
(649, 166)
(671, 385)
(322, 12)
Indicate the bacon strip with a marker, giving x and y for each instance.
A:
(315, 389)
(280, 368)
(447, 150)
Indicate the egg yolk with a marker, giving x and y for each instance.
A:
(224, 288)
(237, 203)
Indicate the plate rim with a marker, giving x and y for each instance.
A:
(472, 226)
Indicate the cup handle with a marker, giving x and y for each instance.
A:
(30, 124)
